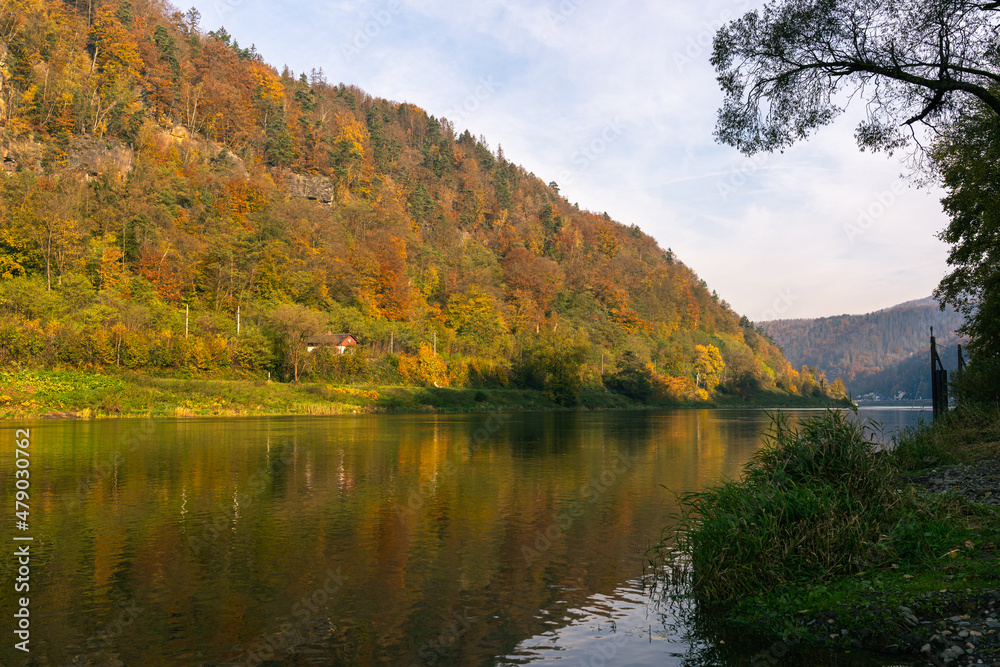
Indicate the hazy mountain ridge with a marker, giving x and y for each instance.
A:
(885, 352)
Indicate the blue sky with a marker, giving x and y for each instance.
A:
(616, 102)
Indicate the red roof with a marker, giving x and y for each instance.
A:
(339, 340)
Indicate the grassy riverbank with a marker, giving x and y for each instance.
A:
(823, 541)
(26, 394)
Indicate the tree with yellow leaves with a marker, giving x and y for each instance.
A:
(709, 365)
(476, 317)
(347, 152)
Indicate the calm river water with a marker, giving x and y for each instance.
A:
(395, 540)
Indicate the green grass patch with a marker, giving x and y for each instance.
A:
(822, 523)
(813, 503)
(946, 551)
(965, 435)
(28, 394)
(767, 398)
(31, 393)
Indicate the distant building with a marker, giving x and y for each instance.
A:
(341, 341)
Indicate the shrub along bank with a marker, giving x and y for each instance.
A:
(78, 394)
(824, 541)
(75, 394)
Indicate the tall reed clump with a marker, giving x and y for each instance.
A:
(814, 501)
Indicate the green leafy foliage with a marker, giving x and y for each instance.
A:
(821, 520)
(633, 378)
(967, 158)
(553, 365)
(785, 67)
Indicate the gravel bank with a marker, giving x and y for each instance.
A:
(979, 482)
(971, 638)
(947, 628)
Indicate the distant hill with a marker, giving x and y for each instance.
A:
(885, 352)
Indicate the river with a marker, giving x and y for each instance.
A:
(360, 540)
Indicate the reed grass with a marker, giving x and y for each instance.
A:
(822, 518)
(815, 501)
(967, 434)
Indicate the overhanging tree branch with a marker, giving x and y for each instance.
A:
(781, 66)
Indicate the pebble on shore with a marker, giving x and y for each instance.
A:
(970, 635)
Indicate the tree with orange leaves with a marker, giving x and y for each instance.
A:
(118, 68)
(393, 290)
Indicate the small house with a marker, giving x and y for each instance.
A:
(341, 341)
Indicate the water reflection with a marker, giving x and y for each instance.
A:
(633, 625)
(430, 539)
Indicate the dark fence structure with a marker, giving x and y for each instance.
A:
(939, 378)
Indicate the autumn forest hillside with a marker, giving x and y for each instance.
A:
(171, 203)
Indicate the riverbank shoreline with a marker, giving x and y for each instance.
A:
(937, 616)
(945, 615)
(936, 628)
(32, 394)
(928, 589)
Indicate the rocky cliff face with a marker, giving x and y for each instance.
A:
(3, 83)
(85, 154)
(91, 155)
(317, 188)
(5, 90)
(192, 147)
(20, 155)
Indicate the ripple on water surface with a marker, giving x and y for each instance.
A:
(634, 626)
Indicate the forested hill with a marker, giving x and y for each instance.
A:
(151, 166)
(885, 352)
